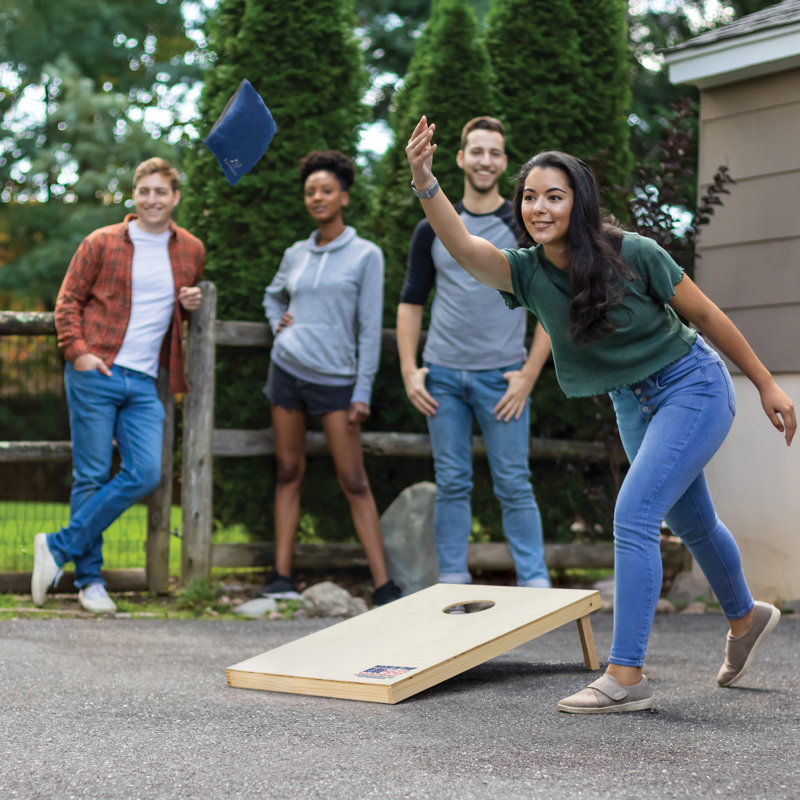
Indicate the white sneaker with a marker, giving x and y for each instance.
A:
(94, 598)
(45, 570)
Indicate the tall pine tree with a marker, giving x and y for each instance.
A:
(303, 59)
(605, 91)
(562, 72)
(534, 49)
(450, 81)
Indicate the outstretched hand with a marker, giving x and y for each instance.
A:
(419, 152)
(780, 410)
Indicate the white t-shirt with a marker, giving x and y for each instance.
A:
(152, 301)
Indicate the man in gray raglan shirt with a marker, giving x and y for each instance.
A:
(474, 366)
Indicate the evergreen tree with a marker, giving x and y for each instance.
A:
(605, 92)
(450, 80)
(563, 81)
(303, 60)
(77, 78)
(534, 49)
(389, 30)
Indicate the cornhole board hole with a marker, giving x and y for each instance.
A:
(400, 649)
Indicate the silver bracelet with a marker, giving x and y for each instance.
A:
(426, 194)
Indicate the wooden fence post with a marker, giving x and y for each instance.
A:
(159, 504)
(198, 423)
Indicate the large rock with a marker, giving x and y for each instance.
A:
(326, 599)
(606, 589)
(688, 588)
(408, 542)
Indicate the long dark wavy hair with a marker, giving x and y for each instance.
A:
(596, 270)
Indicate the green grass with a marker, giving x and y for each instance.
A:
(123, 542)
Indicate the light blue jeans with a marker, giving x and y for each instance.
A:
(125, 407)
(671, 425)
(463, 395)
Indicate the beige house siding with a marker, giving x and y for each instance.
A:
(750, 266)
(750, 252)
(754, 481)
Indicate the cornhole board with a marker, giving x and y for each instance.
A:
(407, 646)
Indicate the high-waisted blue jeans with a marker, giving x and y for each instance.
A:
(671, 424)
(464, 395)
(123, 406)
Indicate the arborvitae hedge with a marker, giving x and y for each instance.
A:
(450, 80)
(304, 61)
(534, 49)
(605, 86)
(302, 57)
(563, 77)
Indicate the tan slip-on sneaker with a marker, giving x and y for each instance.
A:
(605, 696)
(739, 650)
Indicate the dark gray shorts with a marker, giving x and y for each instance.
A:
(285, 390)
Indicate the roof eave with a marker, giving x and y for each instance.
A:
(736, 58)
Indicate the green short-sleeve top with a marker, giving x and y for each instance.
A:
(649, 336)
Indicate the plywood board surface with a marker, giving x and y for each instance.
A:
(404, 647)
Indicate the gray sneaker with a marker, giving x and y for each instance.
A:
(739, 650)
(605, 696)
(94, 598)
(46, 571)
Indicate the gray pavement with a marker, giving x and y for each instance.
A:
(119, 708)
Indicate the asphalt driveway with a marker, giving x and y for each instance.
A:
(121, 708)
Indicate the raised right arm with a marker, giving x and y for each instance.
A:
(476, 255)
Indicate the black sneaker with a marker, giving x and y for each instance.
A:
(279, 586)
(386, 593)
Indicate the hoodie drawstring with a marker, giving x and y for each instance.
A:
(320, 269)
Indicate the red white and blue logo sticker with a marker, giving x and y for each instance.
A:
(382, 671)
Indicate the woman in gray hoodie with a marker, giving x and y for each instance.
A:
(325, 307)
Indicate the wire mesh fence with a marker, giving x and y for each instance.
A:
(34, 495)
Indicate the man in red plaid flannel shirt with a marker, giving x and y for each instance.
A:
(118, 316)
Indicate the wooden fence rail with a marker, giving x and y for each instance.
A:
(155, 576)
(202, 443)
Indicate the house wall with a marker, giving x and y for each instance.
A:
(750, 266)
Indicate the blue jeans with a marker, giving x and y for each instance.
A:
(671, 424)
(124, 407)
(462, 395)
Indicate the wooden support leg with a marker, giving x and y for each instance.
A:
(587, 643)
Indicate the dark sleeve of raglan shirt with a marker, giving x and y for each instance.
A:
(506, 213)
(420, 270)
